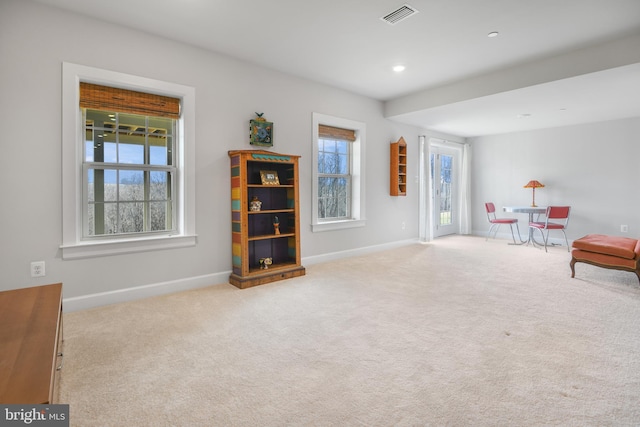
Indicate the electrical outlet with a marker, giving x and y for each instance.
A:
(624, 228)
(403, 225)
(37, 269)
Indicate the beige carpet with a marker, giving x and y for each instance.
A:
(459, 332)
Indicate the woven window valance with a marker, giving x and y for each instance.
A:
(107, 98)
(336, 133)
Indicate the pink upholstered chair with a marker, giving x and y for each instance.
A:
(497, 222)
(561, 216)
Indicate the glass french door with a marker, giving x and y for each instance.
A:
(444, 171)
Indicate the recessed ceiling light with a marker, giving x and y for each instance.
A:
(493, 34)
(399, 68)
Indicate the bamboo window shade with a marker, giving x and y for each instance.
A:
(108, 98)
(336, 133)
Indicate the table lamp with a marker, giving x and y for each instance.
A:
(533, 184)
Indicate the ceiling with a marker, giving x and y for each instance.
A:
(444, 47)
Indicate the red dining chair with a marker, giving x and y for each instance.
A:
(497, 222)
(561, 216)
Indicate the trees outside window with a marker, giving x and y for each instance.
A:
(334, 178)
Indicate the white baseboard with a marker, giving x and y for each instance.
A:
(139, 292)
(85, 302)
(317, 259)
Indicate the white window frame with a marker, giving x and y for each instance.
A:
(358, 218)
(73, 246)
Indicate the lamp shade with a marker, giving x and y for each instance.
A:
(533, 184)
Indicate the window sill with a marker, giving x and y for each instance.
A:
(337, 225)
(119, 247)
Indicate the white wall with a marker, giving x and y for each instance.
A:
(595, 168)
(34, 42)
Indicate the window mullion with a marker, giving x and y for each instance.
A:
(146, 201)
(146, 219)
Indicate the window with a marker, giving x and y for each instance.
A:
(128, 178)
(334, 173)
(338, 177)
(129, 167)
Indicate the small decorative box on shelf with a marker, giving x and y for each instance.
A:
(265, 217)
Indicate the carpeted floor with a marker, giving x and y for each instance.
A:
(458, 332)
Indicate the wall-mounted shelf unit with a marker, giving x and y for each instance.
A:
(398, 168)
(254, 236)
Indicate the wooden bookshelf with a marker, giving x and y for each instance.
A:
(253, 233)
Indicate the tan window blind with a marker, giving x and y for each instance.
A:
(336, 133)
(107, 98)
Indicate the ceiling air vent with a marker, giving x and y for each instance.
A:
(400, 14)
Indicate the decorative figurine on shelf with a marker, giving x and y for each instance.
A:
(261, 131)
(265, 263)
(255, 204)
(276, 225)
